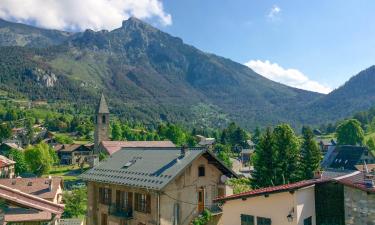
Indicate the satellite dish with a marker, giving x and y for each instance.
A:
(223, 178)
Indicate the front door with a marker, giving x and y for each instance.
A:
(104, 219)
(200, 200)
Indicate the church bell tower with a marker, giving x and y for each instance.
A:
(101, 123)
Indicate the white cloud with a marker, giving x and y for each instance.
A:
(291, 77)
(82, 14)
(274, 12)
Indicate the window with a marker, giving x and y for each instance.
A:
(263, 221)
(103, 119)
(142, 203)
(247, 219)
(307, 221)
(201, 171)
(105, 195)
(124, 200)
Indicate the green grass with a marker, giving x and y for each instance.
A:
(66, 172)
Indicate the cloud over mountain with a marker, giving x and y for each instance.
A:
(82, 14)
(291, 77)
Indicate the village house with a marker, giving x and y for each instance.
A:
(334, 200)
(5, 147)
(32, 200)
(6, 167)
(347, 157)
(102, 144)
(48, 188)
(165, 186)
(70, 154)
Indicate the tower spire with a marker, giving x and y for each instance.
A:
(101, 123)
(102, 107)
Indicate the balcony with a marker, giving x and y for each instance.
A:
(116, 211)
(215, 209)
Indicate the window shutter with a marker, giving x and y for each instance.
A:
(101, 195)
(148, 203)
(109, 196)
(136, 195)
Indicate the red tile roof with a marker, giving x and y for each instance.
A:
(273, 189)
(25, 215)
(356, 181)
(39, 186)
(30, 201)
(114, 146)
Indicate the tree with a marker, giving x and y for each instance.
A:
(39, 158)
(256, 136)
(19, 157)
(5, 131)
(310, 154)
(371, 144)
(239, 185)
(288, 152)
(116, 131)
(63, 139)
(29, 122)
(350, 132)
(223, 152)
(75, 203)
(265, 161)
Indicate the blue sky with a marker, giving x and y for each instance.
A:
(314, 45)
(328, 41)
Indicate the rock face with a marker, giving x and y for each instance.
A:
(45, 78)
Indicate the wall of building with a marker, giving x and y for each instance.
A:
(184, 192)
(276, 207)
(96, 210)
(305, 204)
(359, 207)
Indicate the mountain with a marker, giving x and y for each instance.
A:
(355, 95)
(17, 34)
(152, 76)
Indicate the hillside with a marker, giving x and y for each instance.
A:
(355, 95)
(152, 76)
(17, 34)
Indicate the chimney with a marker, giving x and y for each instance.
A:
(318, 174)
(50, 183)
(184, 150)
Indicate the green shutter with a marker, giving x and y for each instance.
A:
(247, 219)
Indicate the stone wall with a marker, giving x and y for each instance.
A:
(359, 207)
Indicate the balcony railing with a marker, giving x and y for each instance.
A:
(117, 211)
(215, 209)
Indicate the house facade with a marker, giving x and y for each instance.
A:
(70, 154)
(167, 186)
(347, 199)
(286, 204)
(7, 169)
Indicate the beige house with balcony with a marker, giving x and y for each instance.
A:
(166, 186)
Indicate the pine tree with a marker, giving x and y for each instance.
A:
(288, 152)
(256, 135)
(265, 161)
(310, 154)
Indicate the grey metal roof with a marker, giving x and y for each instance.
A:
(150, 168)
(103, 107)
